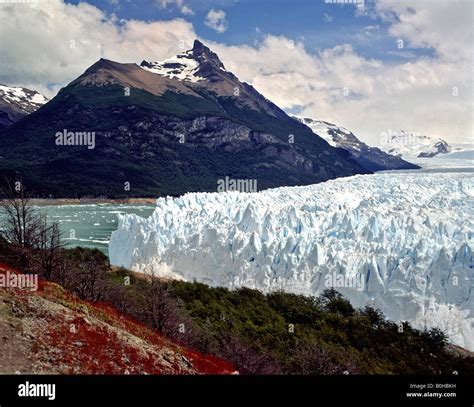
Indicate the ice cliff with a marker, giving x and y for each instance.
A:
(402, 242)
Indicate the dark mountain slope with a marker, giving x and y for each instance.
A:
(163, 135)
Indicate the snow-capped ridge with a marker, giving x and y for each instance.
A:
(409, 144)
(190, 66)
(334, 135)
(25, 99)
(182, 66)
(371, 158)
(17, 102)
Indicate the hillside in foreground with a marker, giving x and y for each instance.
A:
(53, 332)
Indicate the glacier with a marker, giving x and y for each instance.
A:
(398, 241)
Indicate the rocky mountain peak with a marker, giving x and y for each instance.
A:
(17, 102)
(205, 56)
(194, 65)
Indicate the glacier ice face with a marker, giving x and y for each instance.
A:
(402, 242)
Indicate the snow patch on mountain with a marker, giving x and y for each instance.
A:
(371, 158)
(182, 67)
(25, 99)
(336, 136)
(406, 144)
(406, 238)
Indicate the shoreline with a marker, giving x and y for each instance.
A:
(91, 201)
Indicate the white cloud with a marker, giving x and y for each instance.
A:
(445, 26)
(180, 4)
(216, 20)
(369, 96)
(54, 42)
(187, 11)
(166, 3)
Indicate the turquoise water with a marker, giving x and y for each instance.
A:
(90, 225)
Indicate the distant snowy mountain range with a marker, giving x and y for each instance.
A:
(412, 145)
(401, 144)
(17, 102)
(371, 158)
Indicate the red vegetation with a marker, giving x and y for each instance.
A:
(209, 364)
(98, 350)
(83, 337)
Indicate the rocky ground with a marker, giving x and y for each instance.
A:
(52, 332)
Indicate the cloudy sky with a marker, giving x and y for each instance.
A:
(373, 67)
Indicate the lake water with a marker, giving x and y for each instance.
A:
(90, 225)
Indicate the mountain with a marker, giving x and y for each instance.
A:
(406, 144)
(400, 242)
(201, 68)
(161, 128)
(16, 103)
(371, 158)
